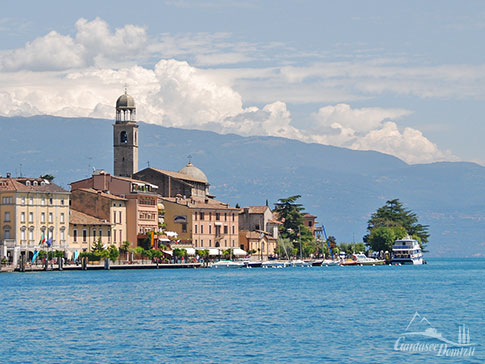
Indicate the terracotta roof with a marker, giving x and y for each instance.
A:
(134, 180)
(101, 193)
(309, 216)
(273, 221)
(257, 209)
(80, 218)
(179, 175)
(20, 185)
(200, 203)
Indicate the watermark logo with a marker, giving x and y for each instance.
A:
(421, 337)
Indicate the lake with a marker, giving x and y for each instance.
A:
(308, 315)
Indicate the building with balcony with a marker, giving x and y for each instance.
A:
(142, 212)
(32, 209)
(202, 222)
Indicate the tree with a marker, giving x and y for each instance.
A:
(125, 246)
(290, 214)
(113, 253)
(98, 246)
(48, 177)
(393, 220)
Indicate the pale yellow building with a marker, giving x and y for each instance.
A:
(30, 209)
(96, 214)
(202, 222)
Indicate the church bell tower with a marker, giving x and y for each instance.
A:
(125, 137)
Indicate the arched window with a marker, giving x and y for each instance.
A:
(123, 137)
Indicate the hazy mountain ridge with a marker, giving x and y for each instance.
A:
(341, 186)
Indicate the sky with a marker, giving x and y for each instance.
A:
(402, 78)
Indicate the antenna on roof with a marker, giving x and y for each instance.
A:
(20, 172)
(190, 158)
(126, 88)
(148, 164)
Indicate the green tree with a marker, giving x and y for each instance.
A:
(290, 214)
(113, 253)
(124, 247)
(98, 246)
(382, 238)
(48, 177)
(394, 215)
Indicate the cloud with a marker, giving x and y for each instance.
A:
(82, 75)
(373, 129)
(93, 45)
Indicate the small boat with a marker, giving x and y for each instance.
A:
(329, 262)
(407, 251)
(227, 264)
(348, 262)
(275, 264)
(300, 263)
(254, 264)
(362, 259)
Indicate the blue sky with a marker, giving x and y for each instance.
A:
(404, 78)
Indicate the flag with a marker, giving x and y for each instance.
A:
(49, 241)
(36, 254)
(42, 239)
(76, 254)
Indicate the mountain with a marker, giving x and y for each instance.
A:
(341, 186)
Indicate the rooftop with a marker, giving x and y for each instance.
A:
(80, 218)
(23, 184)
(200, 203)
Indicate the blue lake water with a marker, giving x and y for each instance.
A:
(308, 315)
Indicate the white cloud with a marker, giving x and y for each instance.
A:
(372, 129)
(84, 74)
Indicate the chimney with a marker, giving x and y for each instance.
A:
(8, 175)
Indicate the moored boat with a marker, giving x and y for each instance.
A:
(362, 259)
(227, 264)
(407, 251)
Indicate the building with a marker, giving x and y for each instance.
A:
(202, 222)
(125, 137)
(310, 221)
(142, 215)
(86, 230)
(189, 181)
(104, 216)
(262, 245)
(258, 218)
(32, 209)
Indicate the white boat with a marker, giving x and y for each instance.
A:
(329, 262)
(300, 263)
(362, 259)
(407, 251)
(227, 264)
(275, 264)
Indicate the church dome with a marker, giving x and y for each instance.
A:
(194, 172)
(125, 101)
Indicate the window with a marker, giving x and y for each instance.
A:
(85, 235)
(121, 235)
(51, 217)
(6, 233)
(233, 228)
(31, 201)
(202, 242)
(62, 201)
(202, 216)
(233, 216)
(114, 235)
(123, 137)
(120, 219)
(201, 229)
(63, 237)
(22, 235)
(22, 217)
(310, 223)
(31, 217)
(94, 234)
(43, 201)
(62, 217)
(6, 217)
(23, 200)
(210, 229)
(184, 228)
(100, 233)
(109, 234)
(225, 243)
(225, 229)
(210, 243)
(218, 216)
(195, 215)
(51, 201)
(7, 200)
(195, 229)
(74, 235)
(31, 234)
(256, 227)
(225, 216)
(42, 217)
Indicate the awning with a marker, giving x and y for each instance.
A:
(165, 240)
(168, 252)
(239, 252)
(171, 234)
(213, 251)
(190, 251)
